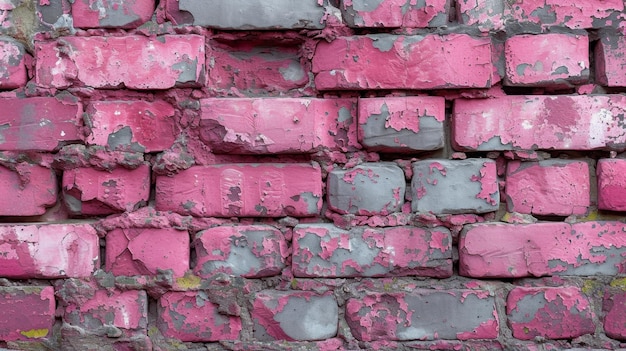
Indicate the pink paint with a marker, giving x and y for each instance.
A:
(403, 62)
(608, 55)
(488, 183)
(565, 13)
(395, 14)
(111, 13)
(26, 308)
(611, 175)
(27, 189)
(613, 306)
(13, 68)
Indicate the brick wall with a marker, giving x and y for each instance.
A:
(312, 175)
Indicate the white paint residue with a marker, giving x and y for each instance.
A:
(62, 133)
(598, 127)
(527, 124)
(117, 112)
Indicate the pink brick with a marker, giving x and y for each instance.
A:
(585, 122)
(547, 60)
(611, 175)
(26, 312)
(190, 316)
(88, 191)
(48, 251)
(584, 14)
(111, 13)
(162, 62)
(552, 313)
(550, 187)
(131, 125)
(12, 69)
(27, 190)
(325, 251)
(402, 124)
(609, 64)
(278, 125)
(140, 251)
(486, 15)
(38, 123)
(423, 315)
(498, 250)
(250, 251)
(614, 308)
(385, 61)
(395, 13)
(244, 190)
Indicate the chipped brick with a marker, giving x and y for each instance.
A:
(27, 190)
(111, 13)
(395, 13)
(27, 312)
(12, 69)
(611, 175)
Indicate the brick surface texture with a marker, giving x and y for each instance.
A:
(319, 175)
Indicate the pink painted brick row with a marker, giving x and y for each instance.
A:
(611, 175)
(549, 312)
(278, 125)
(395, 13)
(26, 312)
(323, 250)
(13, 67)
(38, 123)
(27, 190)
(244, 190)
(385, 61)
(111, 14)
(585, 122)
(162, 62)
(498, 250)
(88, 191)
(48, 251)
(419, 315)
(609, 60)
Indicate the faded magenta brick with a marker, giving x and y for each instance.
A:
(190, 316)
(614, 308)
(294, 315)
(386, 61)
(48, 251)
(584, 122)
(611, 175)
(498, 250)
(547, 60)
(395, 13)
(27, 190)
(325, 251)
(367, 189)
(420, 315)
(111, 13)
(162, 62)
(26, 312)
(250, 251)
(550, 187)
(12, 66)
(140, 251)
(38, 123)
(609, 64)
(583, 14)
(88, 191)
(139, 126)
(402, 124)
(485, 14)
(278, 125)
(245, 190)
(549, 312)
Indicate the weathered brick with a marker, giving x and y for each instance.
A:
(294, 315)
(27, 190)
(161, 62)
(550, 60)
(48, 251)
(250, 251)
(140, 251)
(549, 312)
(486, 15)
(498, 250)
(88, 191)
(12, 68)
(139, 126)
(38, 123)
(402, 124)
(614, 308)
(609, 61)
(367, 189)
(423, 315)
(190, 316)
(455, 186)
(395, 13)
(278, 125)
(549, 187)
(611, 175)
(386, 61)
(255, 14)
(26, 312)
(111, 13)
(245, 190)
(585, 122)
(323, 250)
